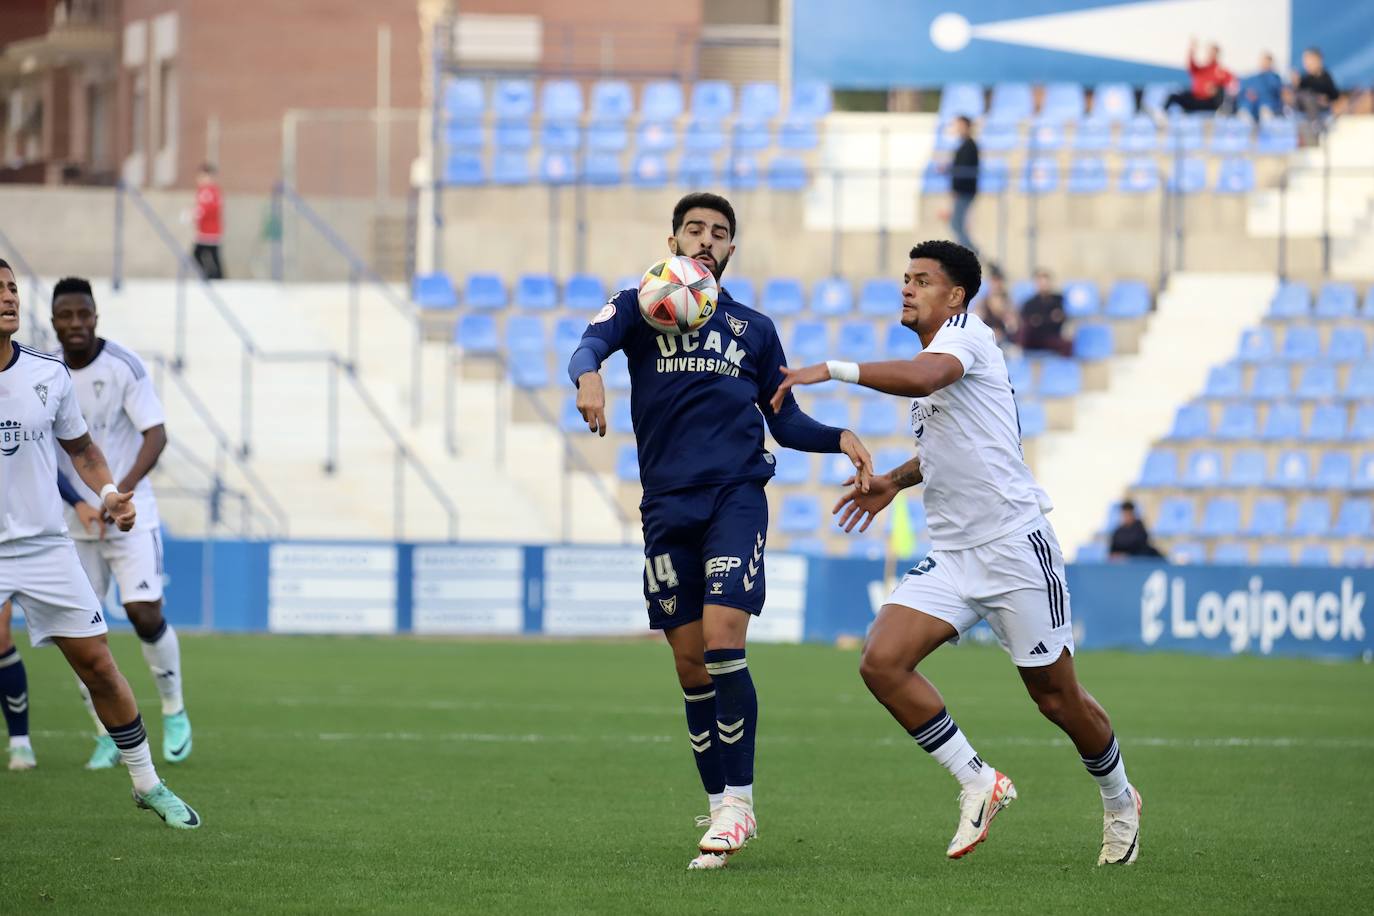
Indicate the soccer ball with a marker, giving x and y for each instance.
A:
(678, 295)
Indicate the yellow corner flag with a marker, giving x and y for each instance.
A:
(902, 541)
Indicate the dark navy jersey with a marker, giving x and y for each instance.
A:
(695, 400)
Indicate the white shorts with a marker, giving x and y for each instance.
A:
(1015, 583)
(50, 587)
(134, 560)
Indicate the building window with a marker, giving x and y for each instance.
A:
(167, 102)
(138, 110)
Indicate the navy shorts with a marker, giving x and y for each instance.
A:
(704, 546)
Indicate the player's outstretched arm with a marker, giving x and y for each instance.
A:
(591, 401)
(89, 462)
(912, 378)
(860, 507)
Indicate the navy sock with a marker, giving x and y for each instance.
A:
(701, 729)
(14, 691)
(737, 713)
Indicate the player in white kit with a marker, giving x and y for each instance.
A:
(995, 556)
(126, 420)
(39, 568)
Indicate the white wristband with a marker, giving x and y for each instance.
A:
(842, 371)
(106, 491)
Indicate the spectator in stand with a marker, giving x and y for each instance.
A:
(1261, 91)
(963, 181)
(996, 310)
(1042, 319)
(1211, 82)
(1315, 92)
(1130, 539)
(209, 221)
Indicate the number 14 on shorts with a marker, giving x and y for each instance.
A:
(659, 573)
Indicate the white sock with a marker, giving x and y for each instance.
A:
(745, 793)
(1108, 770)
(944, 741)
(163, 655)
(20, 741)
(90, 708)
(132, 741)
(713, 800)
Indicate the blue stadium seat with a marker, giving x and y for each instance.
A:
(1293, 300)
(831, 297)
(1160, 469)
(1062, 102)
(1045, 137)
(475, 333)
(787, 173)
(656, 136)
(1040, 175)
(510, 168)
(560, 100)
(1347, 345)
(1220, 518)
(464, 98)
(1257, 345)
(1356, 519)
(1235, 176)
(649, 170)
(1188, 175)
(1364, 473)
(704, 136)
(1092, 135)
(1317, 382)
(1231, 553)
(995, 137)
(607, 136)
(465, 135)
(751, 135)
(569, 417)
(882, 417)
(558, 167)
(1021, 291)
(961, 99)
(810, 101)
(1314, 555)
(798, 134)
(564, 135)
(1327, 424)
(886, 459)
(620, 284)
(1359, 382)
(935, 179)
(1060, 378)
(742, 291)
(1175, 517)
(1153, 96)
(1113, 101)
(513, 99)
(1239, 422)
(1183, 135)
(1138, 135)
(1362, 426)
(811, 547)
(810, 343)
(1139, 176)
(603, 169)
(1128, 299)
(433, 291)
(1302, 344)
(1275, 555)
(900, 343)
(528, 370)
(865, 548)
(1268, 517)
(1031, 416)
(1368, 309)
(1081, 299)
(1020, 374)
(1011, 102)
(1247, 469)
(1337, 300)
(1092, 342)
(1087, 175)
(513, 136)
(661, 101)
(1093, 551)
(831, 411)
(567, 336)
(612, 101)
(1312, 518)
(836, 469)
(584, 292)
(536, 291)
(1354, 555)
(881, 297)
(627, 464)
(622, 421)
(792, 467)
(712, 100)
(616, 371)
(1277, 136)
(464, 169)
(783, 296)
(1292, 471)
(759, 101)
(1333, 471)
(1191, 421)
(1225, 381)
(800, 514)
(857, 341)
(1271, 382)
(697, 170)
(1284, 421)
(484, 291)
(1230, 136)
(1203, 469)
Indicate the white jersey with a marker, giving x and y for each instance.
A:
(37, 406)
(117, 399)
(968, 436)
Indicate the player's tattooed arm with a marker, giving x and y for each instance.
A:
(90, 465)
(908, 474)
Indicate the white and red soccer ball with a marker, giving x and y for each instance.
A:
(678, 295)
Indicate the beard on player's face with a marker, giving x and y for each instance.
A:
(704, 250)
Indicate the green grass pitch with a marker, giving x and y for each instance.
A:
(401, 775)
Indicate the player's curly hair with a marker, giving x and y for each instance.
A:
(78, 285)
(707, 201)
(959, 264)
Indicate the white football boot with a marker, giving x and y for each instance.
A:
(976, 811)
(732, 825)
(1121, 832)
(708, 860)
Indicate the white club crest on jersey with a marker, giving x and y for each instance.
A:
(669, 605)
(606, 314)
(42, 392)
(737, 327)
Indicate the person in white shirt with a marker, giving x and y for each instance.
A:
(39, 568)
(995, 556)
(126, 420)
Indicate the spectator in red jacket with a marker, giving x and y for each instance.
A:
(209, 217)
(1211, 82)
